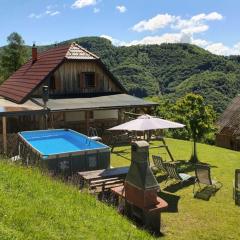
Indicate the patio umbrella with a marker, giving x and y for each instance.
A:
(146, 123)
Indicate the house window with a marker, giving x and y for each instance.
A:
(52, 83)
(89, 79)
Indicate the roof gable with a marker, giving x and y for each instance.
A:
(77, 52)
(24, 81)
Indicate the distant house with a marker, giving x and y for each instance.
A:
(82, 93)
(228, 135)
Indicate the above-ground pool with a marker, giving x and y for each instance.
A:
(63, 150)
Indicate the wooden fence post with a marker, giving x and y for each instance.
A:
(87, 121)
(4, 126)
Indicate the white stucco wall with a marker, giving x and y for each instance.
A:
(105, 114)
(98, 114)
(75, 116)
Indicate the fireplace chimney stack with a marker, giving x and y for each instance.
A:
(34, 53)
(141, 187)
(140, 190)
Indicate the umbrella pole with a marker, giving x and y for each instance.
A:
(168, 151)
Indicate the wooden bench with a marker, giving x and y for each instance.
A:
(102, 185)
(89, 176)
(103, 179)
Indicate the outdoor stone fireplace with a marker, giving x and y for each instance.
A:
(140, 190)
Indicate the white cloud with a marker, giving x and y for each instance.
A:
(195, 29)
(165, 38)
(200, 42)
(209, 17)
(221, 49)
(195, 24)
(237, 48)
(157, 22)
(114, 41)
(107, 37)
(215, 48)
(96, 10)
(121, 8)
(33, 15)
(150, 40)
(83, 3)
(185, 33)
(48, 12)
(54, 13)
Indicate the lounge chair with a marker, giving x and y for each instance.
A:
(172, 172)
(158, 163)
(203, 176)
(236, 187)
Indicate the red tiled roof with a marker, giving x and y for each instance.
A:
(24, 81)
(18, 86)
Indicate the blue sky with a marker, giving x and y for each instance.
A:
(211, 24)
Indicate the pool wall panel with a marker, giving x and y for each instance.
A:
(86, 162)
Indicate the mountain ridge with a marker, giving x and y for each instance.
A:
(167, 70)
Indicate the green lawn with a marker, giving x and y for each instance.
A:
(217, 218)
(33, 206)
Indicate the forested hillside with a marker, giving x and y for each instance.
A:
(169, 70)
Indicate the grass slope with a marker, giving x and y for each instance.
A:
(197, 219)
(33, 206)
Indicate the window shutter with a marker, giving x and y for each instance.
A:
(57, 83)
(52, 83)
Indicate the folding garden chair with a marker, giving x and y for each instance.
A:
(203, 176)
(172, 172)
(158, 163)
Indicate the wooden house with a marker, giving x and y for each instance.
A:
(82, 93)
(228, 135)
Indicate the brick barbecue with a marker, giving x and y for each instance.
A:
(140, 190)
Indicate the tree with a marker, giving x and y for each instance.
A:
(14, 55)
(198, 117)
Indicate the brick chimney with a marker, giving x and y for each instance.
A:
(34, 53)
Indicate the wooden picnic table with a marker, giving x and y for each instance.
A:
(104, 173)
(102, 176)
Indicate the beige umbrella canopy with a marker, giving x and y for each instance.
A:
(146, 123)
